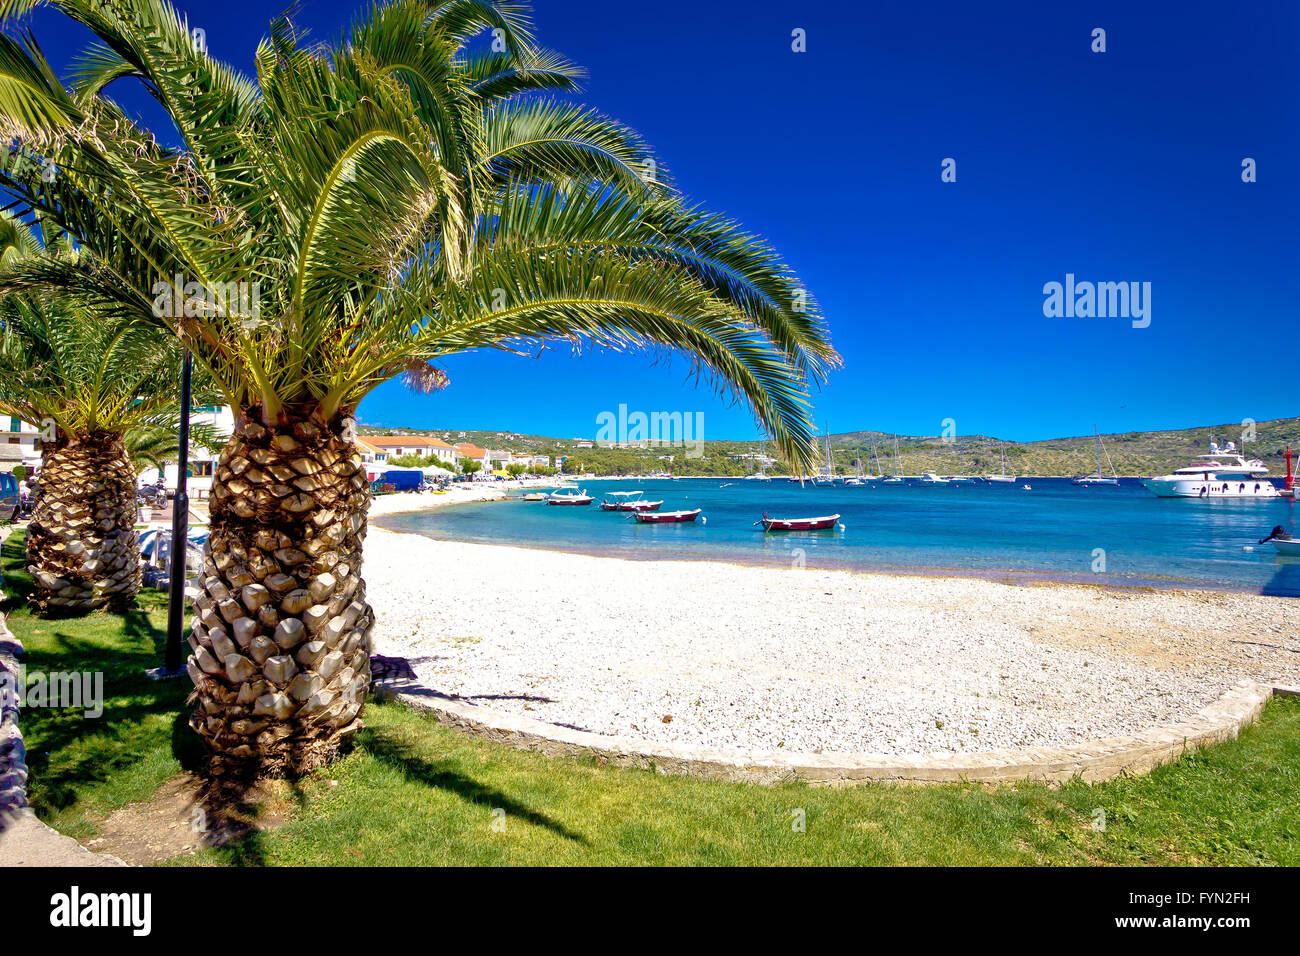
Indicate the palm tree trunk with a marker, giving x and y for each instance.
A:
(281, 634)
(82, 548)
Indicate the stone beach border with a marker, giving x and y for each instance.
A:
(1094, 761)
(13, 755)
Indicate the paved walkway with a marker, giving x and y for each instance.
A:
(29, 842)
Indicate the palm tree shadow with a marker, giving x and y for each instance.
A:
(431, 774)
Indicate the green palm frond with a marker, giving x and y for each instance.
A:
(65, 359)
(156, 443)
(392, 198)
(541, 139)
(497, 76)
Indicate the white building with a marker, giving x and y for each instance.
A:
(420, 445)
(19, 442)
(203, 463)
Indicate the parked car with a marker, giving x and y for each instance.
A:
(9, 497)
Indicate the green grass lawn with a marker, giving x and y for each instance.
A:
(413, 792)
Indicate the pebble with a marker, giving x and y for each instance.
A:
(756, 658)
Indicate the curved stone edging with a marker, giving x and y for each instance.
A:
(13, 755)
(1093, 761)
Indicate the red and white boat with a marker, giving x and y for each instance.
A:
(666, 517)
(581, 498)
(628, 501)
(798, 524)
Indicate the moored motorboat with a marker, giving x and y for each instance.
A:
(628, 501)
(798, 524)
(666, 517)
(534, 496)
(1282, 541)
(581, 498)
(930, 478)
(1220, 474)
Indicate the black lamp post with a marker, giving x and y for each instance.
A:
(172, 651)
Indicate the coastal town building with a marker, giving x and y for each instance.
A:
(373, 457)
(395, 446)
(474, 453)
(20, 442)
(202, 462)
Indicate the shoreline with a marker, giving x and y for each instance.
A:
(1029, 577)
(758, 657)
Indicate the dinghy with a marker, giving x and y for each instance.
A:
(628, 501)
(582, 498)
(798, 524)
(665, 517)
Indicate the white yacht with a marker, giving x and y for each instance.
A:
(1223, 473)
(930, 478)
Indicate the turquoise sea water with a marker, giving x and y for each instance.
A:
(1051, 531)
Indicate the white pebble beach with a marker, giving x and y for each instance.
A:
(762, 658)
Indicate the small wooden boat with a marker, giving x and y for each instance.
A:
(582, 498)
(628, 501)
(630, 506)
(798, 524)
(665, 517)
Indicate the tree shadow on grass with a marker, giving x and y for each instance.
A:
(18, 584)
(69, 749)
(430, 774)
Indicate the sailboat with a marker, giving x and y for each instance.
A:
(963, 478)
(897, 477)
(1099, 478)
(1003, 478)
(762, 474)
(826, 475)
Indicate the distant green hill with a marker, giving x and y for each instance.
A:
(1133, 453)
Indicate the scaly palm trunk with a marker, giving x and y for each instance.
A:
(281, 635)
(82, 548)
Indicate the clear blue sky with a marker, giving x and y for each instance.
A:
(1115, 166)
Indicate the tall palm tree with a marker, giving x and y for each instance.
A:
(89, 381)
(390, 199)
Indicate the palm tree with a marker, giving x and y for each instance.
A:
(356, 213)
(156, 444)
(90, 382)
